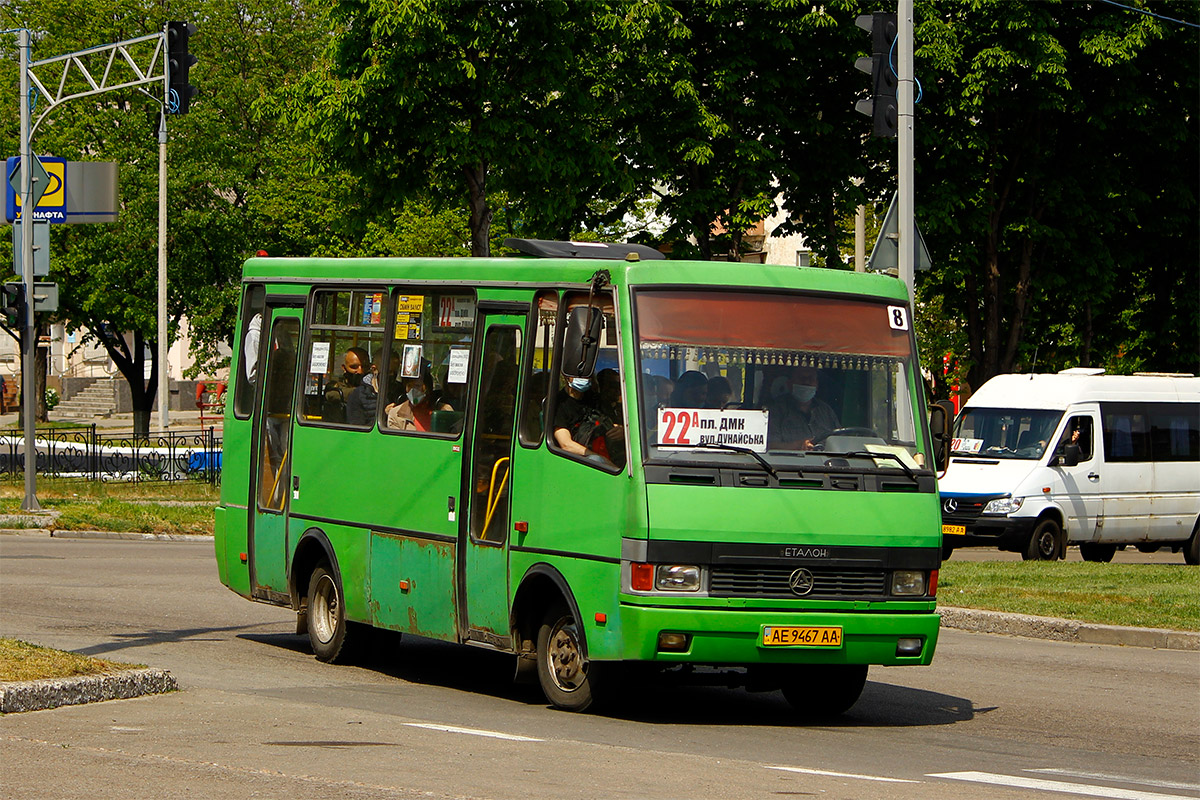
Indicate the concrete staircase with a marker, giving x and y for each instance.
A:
(99, 399)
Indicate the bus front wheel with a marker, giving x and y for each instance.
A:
(326, 613)
(824, 690)
(562, 666)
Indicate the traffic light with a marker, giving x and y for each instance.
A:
(881, 106)
(179, 61)
(14, 306)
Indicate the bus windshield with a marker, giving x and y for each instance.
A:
(1004, 432)
(798, 380)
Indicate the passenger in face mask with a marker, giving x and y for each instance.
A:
(579, 423)
(798, 419)
(414, 411)
(355, 364)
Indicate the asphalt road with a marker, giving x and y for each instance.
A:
(993, 717)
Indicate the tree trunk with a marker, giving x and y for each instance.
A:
(481, 214)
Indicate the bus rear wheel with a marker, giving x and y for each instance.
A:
(1045, 543)
(326, 612)
(562, 666)
(824, 690)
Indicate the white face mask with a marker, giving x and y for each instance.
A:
(804, 393)
(581, 384)
(416, 395)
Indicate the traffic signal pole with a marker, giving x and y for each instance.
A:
(161, 358)
(904, 146)
(28, 339)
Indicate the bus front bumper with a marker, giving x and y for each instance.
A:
(736, 636)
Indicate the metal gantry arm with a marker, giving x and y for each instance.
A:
(119, 55)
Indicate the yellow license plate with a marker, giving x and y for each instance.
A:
(954, 530)
(801, 636)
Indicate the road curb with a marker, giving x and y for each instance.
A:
(1065, 630)
(58, 534)
(20, 696)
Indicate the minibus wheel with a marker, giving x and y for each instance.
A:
(1045, 543)
(561, 663)
(326, 614)
(1097, 551)
(824, 690)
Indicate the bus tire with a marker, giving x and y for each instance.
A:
(326, 611)
(824, 690)
(1191, 551)
(562, 665)
(1097, 551)
(1045, 543)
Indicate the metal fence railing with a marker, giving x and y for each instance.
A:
(90, 454)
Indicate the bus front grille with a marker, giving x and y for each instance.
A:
(776, 582)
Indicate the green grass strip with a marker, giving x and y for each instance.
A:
(1141, 595)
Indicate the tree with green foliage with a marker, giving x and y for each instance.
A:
(1057, 165)
(107, 273)
(457, 101)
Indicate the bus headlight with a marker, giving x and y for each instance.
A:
(677, 578)
(1003, 505)
(909, 582)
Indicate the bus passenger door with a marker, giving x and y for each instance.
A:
(484, 576)
(271, 474)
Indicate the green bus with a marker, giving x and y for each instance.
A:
(591, 458)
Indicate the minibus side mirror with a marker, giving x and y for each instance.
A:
(941, 417)
(1071, 456)
(581, 342)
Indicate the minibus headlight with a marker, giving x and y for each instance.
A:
(908, 582)
(677, 578)
(1003, 505)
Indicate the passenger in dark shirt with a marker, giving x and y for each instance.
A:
(579, 424)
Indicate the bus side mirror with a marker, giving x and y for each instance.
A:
(1071, 456)
(581, 342)
(941, 416)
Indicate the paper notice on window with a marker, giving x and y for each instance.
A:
(319, 362)
(900, 452)
(459, 359)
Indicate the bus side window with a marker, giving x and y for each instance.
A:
(253, 305)
(585, 418)
(537, 381)
(423, 388)
(345, 346)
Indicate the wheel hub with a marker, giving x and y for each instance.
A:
(567, 664)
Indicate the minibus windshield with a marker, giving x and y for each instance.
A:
(1004, 432)
(800, 380)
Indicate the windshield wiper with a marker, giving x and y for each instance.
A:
(718, 446)
(868, 454)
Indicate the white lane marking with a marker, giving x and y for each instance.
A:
(1104, 776)
(1056, 786)
(474, 732)
(829, 774)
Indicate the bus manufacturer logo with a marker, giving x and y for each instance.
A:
(800, 582)
(950, 506)
(806, 552)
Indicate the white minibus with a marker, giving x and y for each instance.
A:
(1041, 462)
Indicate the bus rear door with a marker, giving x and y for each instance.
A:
(483, 580)
(271, 476)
